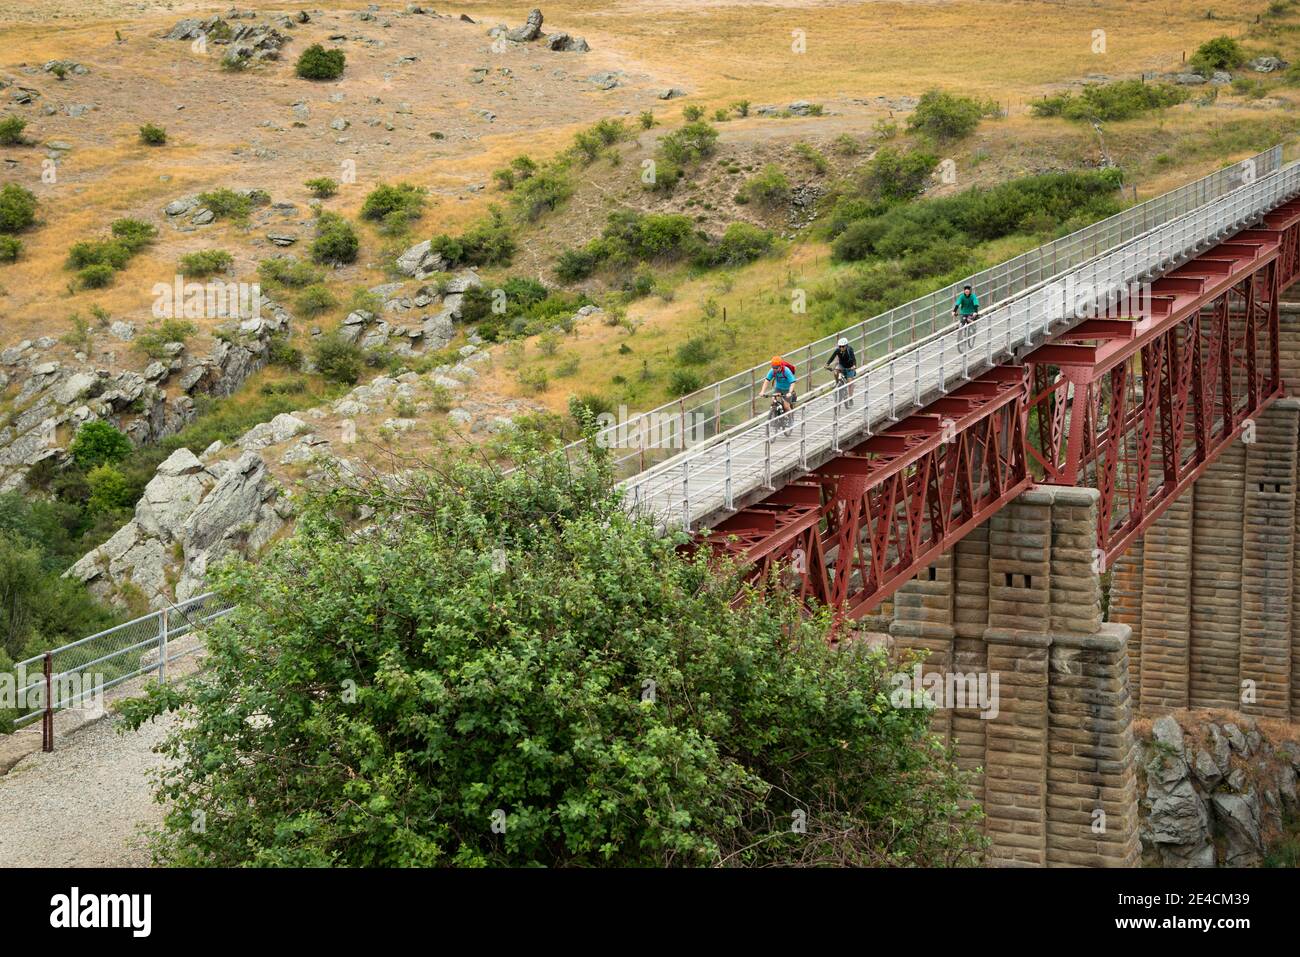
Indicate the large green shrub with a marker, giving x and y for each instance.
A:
(947, 116)
(769, 187)
(10, 247)
(384, 200)
(11, 131)
(99, 443)
(1221, 53)
(17, 208)
(317, 63)
(337, 359)
(511, 671)
(690, 144)
(336, 241)
(1121, 100)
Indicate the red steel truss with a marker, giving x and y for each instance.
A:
(1136, 407)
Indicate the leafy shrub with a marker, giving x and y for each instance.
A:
(1221, 53)
(317, 63)
(385, 200)
(153, 342)
(741, 243)
(205, 262)
(99, 443)
(690, 144)
(1121, 100)
(574, 265)
(534, 380)
(685, 381)
(758, 718)
(152, 135)
(895, 176)
(322, 186)
(229, 204)
(134, 234)
(96, 275)
(696, 351)
(336, 241)
(315, 299)
(541, 193)
(337, 359)
(646, 119)
(946, 116)
(692, 113)
(811, 156)
(589, 143)
(10, 247)
(769, 187)
(11, 131)
(17, 208)
(288, 271)
(847, 145)
(109, 491)
(488, 243)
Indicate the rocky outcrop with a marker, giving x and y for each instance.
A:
(1216, 790)
(531, 30)
(191, 515)
(54, 398)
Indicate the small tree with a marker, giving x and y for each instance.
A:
(317, 63)
(17, 208)
(99, 443)
(152, 135)
(322, 187)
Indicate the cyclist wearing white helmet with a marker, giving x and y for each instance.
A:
(847, 366)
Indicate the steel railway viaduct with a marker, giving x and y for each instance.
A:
(985, 483)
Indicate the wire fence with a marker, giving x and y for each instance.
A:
(78, 674)
(648, 438)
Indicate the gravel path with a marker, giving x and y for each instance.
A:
(84, 804)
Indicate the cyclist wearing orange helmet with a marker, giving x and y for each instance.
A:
(782, 377)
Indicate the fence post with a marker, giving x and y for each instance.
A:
(162, 646)
(47, 719)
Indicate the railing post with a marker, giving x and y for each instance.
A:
(162, 646)
(753, 394)
(835, 423)
(730, 503)
(767, 454)
(47, 719)
(686, 494)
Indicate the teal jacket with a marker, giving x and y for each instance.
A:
(967, 305)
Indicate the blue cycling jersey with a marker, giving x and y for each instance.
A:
(782, 378)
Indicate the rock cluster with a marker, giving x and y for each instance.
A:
(54, 393)
(1216, 792)
(247, 41)
(191, 515)
(532, 30)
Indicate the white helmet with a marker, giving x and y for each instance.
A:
(843, 341)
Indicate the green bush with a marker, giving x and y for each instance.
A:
(99, 443)
(488, 243)
(769, 187)
(574, 265)
(10, 247)
(229, 204)
(741, 243)
(96, 276)
(811, 156)
(337, 359)
(646, 119)
(1121, 100)
(205, 262)
(946, 116)
(17, 208)
(696, 351)
(707, 725)
(152, 135)
(1221, 53)
(692, 113)
(541, 193)
(288, 271)
(110, 253)
(134, 234)
(685, 381)
(109, 491)
(893, 175)
(336, 241)
(591, 142)
(317, 63)
(322, 186)
(385, 200)
(690, 144)
(315, 299)
(11, 131)
(153, 342)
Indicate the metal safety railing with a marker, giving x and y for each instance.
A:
(79, 673)
(658, 434)
(757, 454)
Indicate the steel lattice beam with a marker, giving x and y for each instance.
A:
(1136, 407)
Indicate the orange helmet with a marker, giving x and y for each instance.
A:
(777, 361)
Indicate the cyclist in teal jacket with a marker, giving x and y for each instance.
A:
(967, 305)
